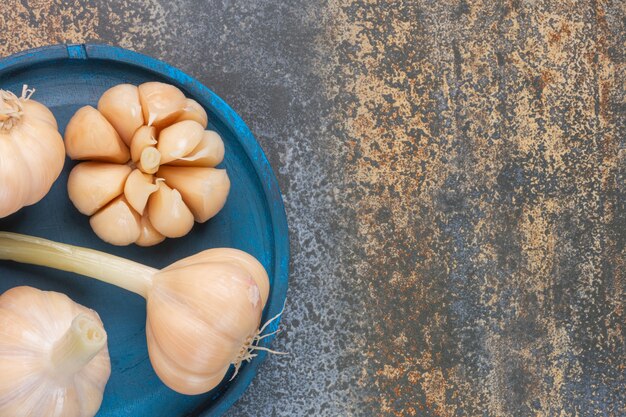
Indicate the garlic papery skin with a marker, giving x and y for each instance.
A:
(121, 107)
(204, 190)
(161, 103)
(32, 153)
(53, 356)
(202, 311)
(89, 135)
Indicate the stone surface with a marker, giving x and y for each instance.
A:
(453, 173)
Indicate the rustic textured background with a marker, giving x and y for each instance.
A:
(454, 176)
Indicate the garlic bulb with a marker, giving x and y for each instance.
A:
(31, 151)
(147, 144)
(53, 355)
(203, 312)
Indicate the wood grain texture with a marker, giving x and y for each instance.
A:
(453, 173)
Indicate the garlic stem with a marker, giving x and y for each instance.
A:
(150, 160)
(121, 272)
(78, 346)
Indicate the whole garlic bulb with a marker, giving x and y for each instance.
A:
(53, 356)
(151, 170)
(31, 151)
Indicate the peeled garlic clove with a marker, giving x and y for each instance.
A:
(89, 135)
(194, 111)
(138, 188)
(149, 235)
(53, 355)
(161, 103)
(117, 223)
(168, 213)
(121, 107)
(208, 153)
(204, 190)
(92, 185)
(144, 137)
(179, 140)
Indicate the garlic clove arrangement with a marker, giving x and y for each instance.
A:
(204, 190)
(169, 138)
(121, 107)
(89, 135)
(53, 355)
(32, 153)
(203, 312)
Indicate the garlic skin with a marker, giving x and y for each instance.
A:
(166, 164)
(203, 312)
(32, 153)
(225, 307)
(53, 355)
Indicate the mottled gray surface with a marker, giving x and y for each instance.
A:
(453, 174)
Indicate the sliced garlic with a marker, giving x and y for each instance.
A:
(208, 153)
(149, 235)
(92, 185)
(179, 140)
(168, 213)
(194, 111)
(204, 190)
(89, 135)
(117, 223)
(138, 188)
(121, 107)
(161, 103)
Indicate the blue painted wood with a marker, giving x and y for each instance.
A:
(69, 77)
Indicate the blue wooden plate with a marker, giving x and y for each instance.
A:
(69, 77)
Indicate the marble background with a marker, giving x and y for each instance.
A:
(453, 173)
